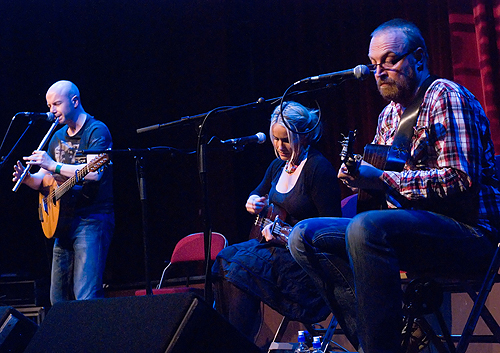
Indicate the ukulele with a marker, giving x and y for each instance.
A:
(274, 215)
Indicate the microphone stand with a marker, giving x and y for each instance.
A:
(202, 168)
(141, 183)
(4, 159)
(187, 119)
(207, 221)
(42, 144)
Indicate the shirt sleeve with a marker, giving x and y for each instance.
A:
(265, 185)
(446, 149)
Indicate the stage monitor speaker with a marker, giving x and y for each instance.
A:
(16, 330)
(171, 323)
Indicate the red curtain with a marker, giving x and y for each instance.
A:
(475, 46)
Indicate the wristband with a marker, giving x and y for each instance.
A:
(58, 168)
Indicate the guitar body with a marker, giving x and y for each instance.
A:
(265, 217)
(48, 211)
(49, 203)
(376, 155)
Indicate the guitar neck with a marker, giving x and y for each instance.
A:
(68, 184)
(262, 222)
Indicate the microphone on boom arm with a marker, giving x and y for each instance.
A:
(360, 72)
(259, 138)
(37, 116)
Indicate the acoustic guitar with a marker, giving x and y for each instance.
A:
(376, 155)
(386, 157)
(274, 215)
(51, 193)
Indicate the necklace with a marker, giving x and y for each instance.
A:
(290, 168)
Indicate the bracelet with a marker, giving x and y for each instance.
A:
(58, 168)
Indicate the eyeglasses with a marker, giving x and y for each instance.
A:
(389, 65)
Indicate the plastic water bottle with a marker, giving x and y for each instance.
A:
(317, 345)
(302, 348)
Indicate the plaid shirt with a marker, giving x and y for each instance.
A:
(451, 165)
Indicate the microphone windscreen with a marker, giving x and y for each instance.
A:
(361, 72)
(262, 137)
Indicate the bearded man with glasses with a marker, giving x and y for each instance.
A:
(441, 206)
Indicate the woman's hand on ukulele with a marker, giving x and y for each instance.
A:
(255, 203)
(270, 238)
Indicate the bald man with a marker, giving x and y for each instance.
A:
(85, 229)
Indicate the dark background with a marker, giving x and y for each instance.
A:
(139, 63)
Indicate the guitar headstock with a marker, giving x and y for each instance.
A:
(347, 156)
(98, 162)
(347, 146)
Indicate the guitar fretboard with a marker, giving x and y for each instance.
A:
(68, 184)
(262, 221)
(95, 164)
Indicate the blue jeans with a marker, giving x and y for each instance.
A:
(79, 259)
(318, 245)
(378, 244)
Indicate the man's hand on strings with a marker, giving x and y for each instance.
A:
(368, 177)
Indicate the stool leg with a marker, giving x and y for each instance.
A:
(329, 333)
(446, 331)
(479, 302)
(280, 331)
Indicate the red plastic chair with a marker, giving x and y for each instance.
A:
(188, 254)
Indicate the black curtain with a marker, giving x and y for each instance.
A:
(142, 63)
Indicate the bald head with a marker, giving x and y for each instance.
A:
(65, 88)
(63, 100)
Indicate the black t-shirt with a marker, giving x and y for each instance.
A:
(91, 196)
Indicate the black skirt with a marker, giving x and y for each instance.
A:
(270, 273)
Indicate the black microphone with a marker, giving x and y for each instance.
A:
(360, 72)
(259, 138)
(38, 116)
